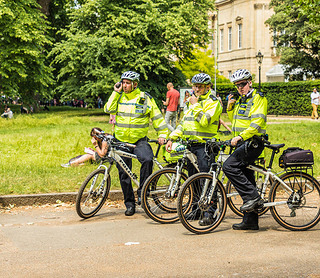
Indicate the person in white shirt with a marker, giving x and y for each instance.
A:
(315, 99)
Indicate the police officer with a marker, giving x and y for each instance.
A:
(200, 120)
(134, 109)
(248, 114)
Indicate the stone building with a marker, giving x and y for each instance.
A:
(239, 33)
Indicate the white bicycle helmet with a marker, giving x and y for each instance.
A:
(241, 74)
(130, 75)
(201, 78)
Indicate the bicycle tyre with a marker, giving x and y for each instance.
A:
(190, 219)
(235, 201)
(153, 199)
(302, 208)
(87, 205)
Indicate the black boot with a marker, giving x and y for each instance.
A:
(249, 222)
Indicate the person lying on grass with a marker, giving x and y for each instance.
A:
(101, 149)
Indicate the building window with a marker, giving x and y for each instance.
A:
(229, 38)
(221, 40)
(240, 35)
(229, 74)
(274, 38)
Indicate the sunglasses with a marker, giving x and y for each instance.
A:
(241, 85)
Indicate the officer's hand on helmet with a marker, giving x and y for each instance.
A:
(118, 87)
(161, 141)
(169, 146)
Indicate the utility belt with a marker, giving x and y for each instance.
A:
(254, 142)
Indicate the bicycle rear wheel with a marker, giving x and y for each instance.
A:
(92, 193)
(235, 201)
(300, 210)
(191, 208)
(156, 203)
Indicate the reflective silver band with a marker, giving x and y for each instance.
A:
(131, 115)
(196, 133)
(157, 117)
(132, 126)
(161, 127)
(259, 116)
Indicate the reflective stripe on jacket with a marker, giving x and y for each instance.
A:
(249, 115)
(200, 120)
(133, 113)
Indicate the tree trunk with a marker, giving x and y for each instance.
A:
(44, 6)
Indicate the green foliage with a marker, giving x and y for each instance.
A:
(34, 146)
(284, 98)
(311, 9)
(202, 61)
(293, 27)
(106, 38)
(23, 36)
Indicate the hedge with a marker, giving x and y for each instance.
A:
(284, 98)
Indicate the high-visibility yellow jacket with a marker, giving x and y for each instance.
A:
(133, 113)
(249, 115)
(200, 120)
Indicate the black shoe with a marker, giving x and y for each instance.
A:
(130, 211)
(244, 226)
(252, 205)
(139, 201)
(207, 220)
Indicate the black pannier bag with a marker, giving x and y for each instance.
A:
(294, 157)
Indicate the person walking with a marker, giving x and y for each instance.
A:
(200, 120)
(248, 114)
(172, 102)
(315, 99)
(134, 109)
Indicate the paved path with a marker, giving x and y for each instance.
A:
(54, 242)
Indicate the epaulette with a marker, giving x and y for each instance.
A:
(149, 95)
(213, 97)
(260, 93)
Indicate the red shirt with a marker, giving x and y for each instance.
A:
(174, 97)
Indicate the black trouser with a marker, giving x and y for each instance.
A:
(144, 154)
(235, 169)
(203, 164)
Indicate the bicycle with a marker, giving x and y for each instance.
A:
(294, 197)
(160, 190)
(95, 188)
(159, 193)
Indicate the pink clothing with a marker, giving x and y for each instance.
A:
(174, 97)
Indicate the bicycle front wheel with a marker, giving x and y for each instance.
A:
(192, 205)
(93, 193)
(297, 209)
(156, 200)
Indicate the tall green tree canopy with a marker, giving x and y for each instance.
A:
(202, 61)
(107, 37)
(291, 27)
(23, 38)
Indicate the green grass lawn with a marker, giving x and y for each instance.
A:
(34, 146)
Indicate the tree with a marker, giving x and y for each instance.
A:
(106, 38)
(291, 28)
(23, 69)
(201, 62)
(311, 9)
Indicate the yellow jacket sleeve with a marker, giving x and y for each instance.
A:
(208, 114)
(112, 104)
(158, 121)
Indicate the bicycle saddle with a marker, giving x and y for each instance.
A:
(275, 146)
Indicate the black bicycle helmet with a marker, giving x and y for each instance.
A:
(130, 75)
(201, 78)
(241, 74)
